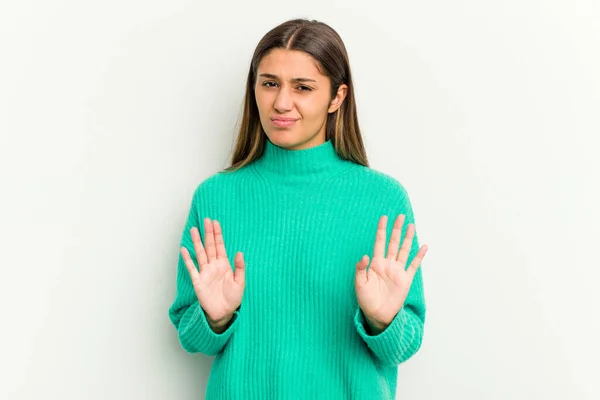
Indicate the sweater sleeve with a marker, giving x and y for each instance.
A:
(185, 313)
(400, 340)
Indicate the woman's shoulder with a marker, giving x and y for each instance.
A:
(221, 180)
(378, 180)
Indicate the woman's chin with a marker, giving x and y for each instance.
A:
(289, 140)
(282, 138)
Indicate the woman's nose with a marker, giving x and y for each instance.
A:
(283, 101)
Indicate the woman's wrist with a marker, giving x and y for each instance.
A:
(219, 326)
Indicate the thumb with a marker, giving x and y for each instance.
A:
(239, 275)
(361, 270)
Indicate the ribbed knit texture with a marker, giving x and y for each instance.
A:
(303, 219)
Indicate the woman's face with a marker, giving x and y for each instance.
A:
(293, 99)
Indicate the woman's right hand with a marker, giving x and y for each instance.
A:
(218, 289)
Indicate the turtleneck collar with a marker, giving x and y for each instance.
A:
(300, 166)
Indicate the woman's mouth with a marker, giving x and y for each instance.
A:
(283, 122)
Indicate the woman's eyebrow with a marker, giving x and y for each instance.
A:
(272, 76)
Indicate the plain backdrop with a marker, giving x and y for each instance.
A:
(111, 113)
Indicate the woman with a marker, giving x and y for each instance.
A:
(299, 315)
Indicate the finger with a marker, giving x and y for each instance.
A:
(379, 249)
(219, 242)
(395, 239)
(239, 275)
(185, 254)
(200, 254)
(209, 240)
(406, 244)
(416, 262)
(361, 271)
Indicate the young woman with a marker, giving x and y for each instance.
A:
(304, 312)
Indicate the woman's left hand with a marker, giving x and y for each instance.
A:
(382, 290)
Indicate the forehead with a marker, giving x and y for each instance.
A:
(289, 64)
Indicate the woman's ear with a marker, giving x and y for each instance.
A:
(339, 98)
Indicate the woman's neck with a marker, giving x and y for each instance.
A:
(300, 166)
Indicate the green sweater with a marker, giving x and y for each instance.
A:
(303, 219)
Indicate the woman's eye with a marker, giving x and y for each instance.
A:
(271, 84)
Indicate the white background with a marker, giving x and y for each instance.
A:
(111, 112)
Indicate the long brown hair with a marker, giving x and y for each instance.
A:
(324, 44)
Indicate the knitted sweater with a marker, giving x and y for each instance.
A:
(303, 219)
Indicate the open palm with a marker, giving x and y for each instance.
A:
(218, 289)
(382, 290)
